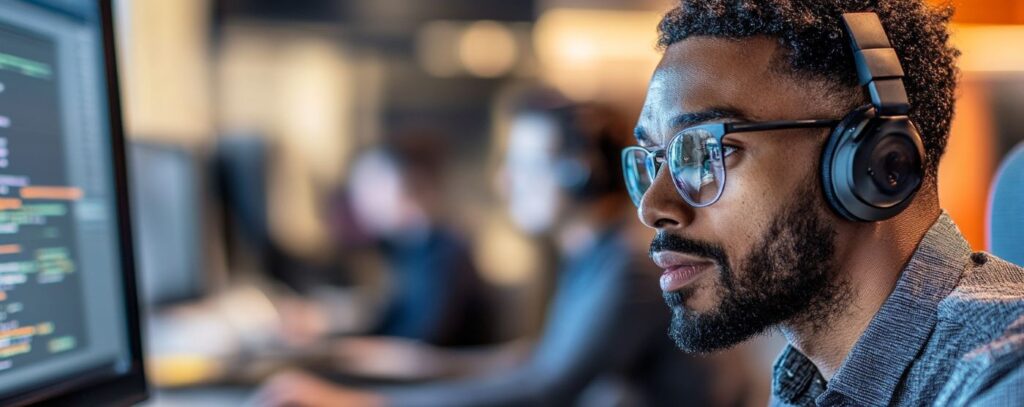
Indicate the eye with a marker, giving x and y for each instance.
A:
(728, 149)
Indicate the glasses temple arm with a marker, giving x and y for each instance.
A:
(779, 125)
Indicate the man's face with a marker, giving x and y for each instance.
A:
(764, 253)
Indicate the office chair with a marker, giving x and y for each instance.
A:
(1006, 209)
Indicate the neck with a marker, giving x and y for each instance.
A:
(871, 257)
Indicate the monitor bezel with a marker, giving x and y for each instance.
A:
(130, 387)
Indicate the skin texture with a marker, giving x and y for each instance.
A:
(768, 174)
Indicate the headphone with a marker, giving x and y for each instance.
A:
(872, 165)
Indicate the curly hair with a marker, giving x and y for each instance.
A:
(812, 41)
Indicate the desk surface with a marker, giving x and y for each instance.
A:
(214, 396)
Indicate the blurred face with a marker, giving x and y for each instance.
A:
(380, 199)
(764, 253)
(533, 192)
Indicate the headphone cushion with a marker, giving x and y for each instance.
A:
(846, 130)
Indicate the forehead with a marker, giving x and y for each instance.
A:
(735, 78)
(373, 165)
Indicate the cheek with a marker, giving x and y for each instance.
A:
(770, 180)
(756, 190)
(749, 201)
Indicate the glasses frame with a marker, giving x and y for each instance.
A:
(718, 131)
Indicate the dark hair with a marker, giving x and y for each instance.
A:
(811, 37)
(420, 153)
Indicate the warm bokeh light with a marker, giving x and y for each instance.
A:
(434, 48)
(597, 54)
(167, 84)
(984, 47)
(484, 48)
(986, 12)
(297, 90)
(488, 49)
(967, 167)
(508, 257)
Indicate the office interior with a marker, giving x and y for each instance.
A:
(250, 124)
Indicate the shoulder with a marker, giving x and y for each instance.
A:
(988, 299)
(990, 374)
(985, 316)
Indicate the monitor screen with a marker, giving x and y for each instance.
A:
(167, 222)
(68, 319)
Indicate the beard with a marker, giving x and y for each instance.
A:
(788, 277)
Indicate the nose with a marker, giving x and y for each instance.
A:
(662, 207)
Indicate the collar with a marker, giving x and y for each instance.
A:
(872, 371)
(795, 379)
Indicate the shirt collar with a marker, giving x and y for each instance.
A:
(795, 379)
(872, 371)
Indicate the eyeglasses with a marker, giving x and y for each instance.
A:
(695, 159)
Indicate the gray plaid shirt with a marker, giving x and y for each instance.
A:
(950, 334)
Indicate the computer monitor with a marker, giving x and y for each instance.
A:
(167, 217)
(69, 323)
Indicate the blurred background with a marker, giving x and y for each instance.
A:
(251, 120)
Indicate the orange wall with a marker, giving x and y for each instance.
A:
(987, 11)
(968, 166)
(966, 170)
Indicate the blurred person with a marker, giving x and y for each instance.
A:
(436, 294)
(604, 339)
(830, 231)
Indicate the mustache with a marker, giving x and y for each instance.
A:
(668, 242)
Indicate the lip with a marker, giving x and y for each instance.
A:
(679, 269)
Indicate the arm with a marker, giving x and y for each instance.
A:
(404, 359)
(596, 327)
(599, 328)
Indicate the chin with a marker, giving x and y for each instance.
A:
(696, 299)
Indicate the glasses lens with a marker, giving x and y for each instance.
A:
(695, 161)
(636, 172)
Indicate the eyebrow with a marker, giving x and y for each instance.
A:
(691, 119)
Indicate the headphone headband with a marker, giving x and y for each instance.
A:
(878, 66)
(871, 166)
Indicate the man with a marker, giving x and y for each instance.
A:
(436, 294)
(603, 342)
(837, 239)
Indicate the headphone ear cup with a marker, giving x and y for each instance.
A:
(848, 129)
(872, 166)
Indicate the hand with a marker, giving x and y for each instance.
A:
(388, 358)
(299, 389)
(302, 322)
